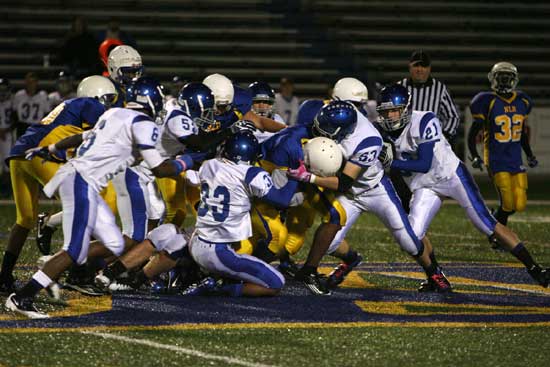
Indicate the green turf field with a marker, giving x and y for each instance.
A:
(301, 344)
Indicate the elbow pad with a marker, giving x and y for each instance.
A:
(344, 182)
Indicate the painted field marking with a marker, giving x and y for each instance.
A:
(412, 308)
(174, 348)
(527, 288)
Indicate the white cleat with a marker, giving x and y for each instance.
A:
(120, 287)
(102, 281)
(25, 308)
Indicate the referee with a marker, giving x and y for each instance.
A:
(429, 94)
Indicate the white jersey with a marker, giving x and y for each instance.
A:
(31, 109)
(362, 147)
(264, 135)
(6, 109)
(288, 109)
(55, 98)
(118, 139)
(177, 126)
(223, 215)
(425, 127)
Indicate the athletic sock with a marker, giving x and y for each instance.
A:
(432, 269)
(114, 270)
(38, 282)
(523, 255)
(502, 216)
(7, 265)
(350, 257)
(433, 259)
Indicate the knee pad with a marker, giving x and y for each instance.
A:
(167, 238)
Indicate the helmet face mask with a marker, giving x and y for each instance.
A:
(263, 99)
(394, 107)
(503, 77)
(197, 100)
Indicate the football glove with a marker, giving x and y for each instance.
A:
(386, 155)
(46, 153)
(301, 173)
(243, 125)
(477, 163)
(532, 161)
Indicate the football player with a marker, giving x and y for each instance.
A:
(437, 173)
(30, 104)
(107, 149)
(95, 95)
(263, 99)
(64, 89)
(502, 115)
(124, 64)
(362, 186)
(6, 136)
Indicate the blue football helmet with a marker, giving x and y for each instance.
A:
(391, 98)
(335, 120)
(262, 93)
(146, 93)
(197, 100)
(242, 147)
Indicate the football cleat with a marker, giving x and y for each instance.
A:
(44, 234)
(102, 281)
(207, 286)
(88, 289)
(436, 283)
(288, 268)
(115, 287)
(542, 276)
(54, 290)
(24, 307)
(315, 282)
(340, 272)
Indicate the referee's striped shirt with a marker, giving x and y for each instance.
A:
(433, 96)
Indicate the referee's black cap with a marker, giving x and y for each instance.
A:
(420, 57)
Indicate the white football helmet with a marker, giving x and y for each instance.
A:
(100, 87)
(124, 64)
(222, 88)
(504, 77)
(350, 89)
(323, 156)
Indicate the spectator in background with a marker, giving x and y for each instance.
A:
(286, 103)
(64, 89)
(79, 50)
(113, 31)
(6, 136)
(174, 87)
(429, 94)
(30, 104)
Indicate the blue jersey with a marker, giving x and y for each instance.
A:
(284, 149)
(70, 117)
(502, 121)
(242, 103)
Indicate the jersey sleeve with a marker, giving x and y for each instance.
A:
(429, 129)
(259, 181)
(367, 152)
(479, 107)
(145, 132)
(180, 125)
(528, 102)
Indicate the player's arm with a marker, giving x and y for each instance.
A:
(423, 163)
(478, 108)
(264, 123)
(531, 159)
(261, 186)
(343, 181)
(477, 162)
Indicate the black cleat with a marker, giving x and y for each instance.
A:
(340, 272)
(542, 276)
(87, 288)
(288, 268)
(315, 282)
(44, 234)
(7, 286)
(495, 244)
(436, 283)
(24, 307)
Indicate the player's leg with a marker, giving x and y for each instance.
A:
(79, 204)
(425, 204)
(504, 185)
(256, 278)
(192, 196)
(469, 197)
(173, 194)
(519, 186)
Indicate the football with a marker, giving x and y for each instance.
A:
(322, 156)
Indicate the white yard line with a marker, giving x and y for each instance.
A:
(187, 351)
